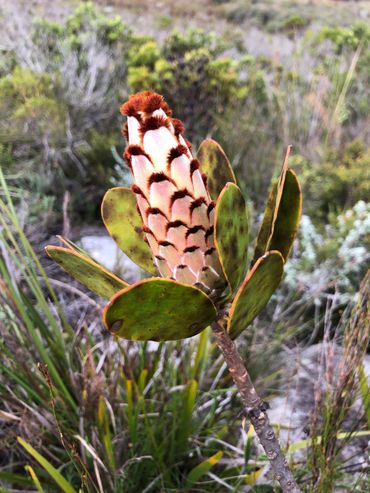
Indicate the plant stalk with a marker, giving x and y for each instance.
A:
(254, 407)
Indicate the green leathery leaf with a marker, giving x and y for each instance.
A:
(256, 290)
(124, 224)
(158, 310)
(216, 166)
(231, 233)
(271, 211)
(288, 216)
(87, 271)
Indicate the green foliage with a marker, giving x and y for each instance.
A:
(124, 224)
(87, 271)
(337, 183)
(60, 114)
(232, 233)
(204, 83)
(346, 37)
(282, 215)
(148, 69)
(158, 310)
(255, 291)
(338, 396)
(58, 478)
(293, 23)
(6, 157)
(30, 109)
(216, 166)
(188, 69)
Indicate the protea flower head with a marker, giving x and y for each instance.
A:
(184, 219)
(171, 193)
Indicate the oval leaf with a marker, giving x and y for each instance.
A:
(288, 216)
(216, 166)
(271, 211)
(231, 233)
(255, 292)
(124, 224)
(158, 310)
(88, 272)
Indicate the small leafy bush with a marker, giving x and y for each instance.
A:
(339, 182)
(329, 264)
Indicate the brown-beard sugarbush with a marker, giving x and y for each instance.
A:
(185, 221)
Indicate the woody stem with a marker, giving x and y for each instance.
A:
(254, 407)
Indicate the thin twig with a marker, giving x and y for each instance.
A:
(254, 407)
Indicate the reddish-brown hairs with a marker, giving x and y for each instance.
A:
(210, 208)
(193, 230)
(158, 177)
(178, 126)
(134, 150)
(209, 251)
(176, 152)
(191, 249)
(153, 123)
(197, 203)
(137, 190)
(175, 224)
(146, 102)
(194, 165)
(180, 194)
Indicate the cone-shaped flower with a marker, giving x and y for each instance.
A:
(172, 195)
(200, 246)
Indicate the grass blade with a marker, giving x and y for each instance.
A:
(54, 473)
(201, 469)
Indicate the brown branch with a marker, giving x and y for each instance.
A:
(254, 407)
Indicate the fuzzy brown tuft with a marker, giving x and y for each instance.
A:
(194, 165)
(175, 224)
(209, 251)
(144, 102)
(191, 249)
(180, 194)
(193, 230)
(209, 232)
(155, 210)
(166, 243)
(176, 152)
(153, 123)
(197, 203)
(147, 230)
(178, 126)
(158, 177)
(137, 190)
(134, 150)
(210, 208)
